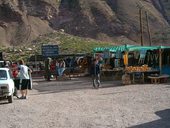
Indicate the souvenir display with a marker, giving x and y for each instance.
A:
(125, 59)
(138, 68)
(106, 66)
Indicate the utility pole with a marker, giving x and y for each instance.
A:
(141, 26)
(148, 29)
(140, 7)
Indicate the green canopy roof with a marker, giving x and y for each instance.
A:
(164, 47)
(128, 48)
(113, 48)
(135, 48)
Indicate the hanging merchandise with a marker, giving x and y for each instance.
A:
(118, 54)
(142, 57)
(141, 61)
(142, 54)
(151, 59)
(148, 57)
(112, 55)
(135, 57)
(168, 60)
(117, 63)
(125, 59)
(136, 54)
(156, 56)
(106, 54)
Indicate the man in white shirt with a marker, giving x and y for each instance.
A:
(24, 79)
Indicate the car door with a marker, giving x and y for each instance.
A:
(11, 81)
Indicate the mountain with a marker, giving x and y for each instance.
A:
(22, 21)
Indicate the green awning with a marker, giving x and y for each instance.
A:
(129, 48)
(139, 48)
(113, 48)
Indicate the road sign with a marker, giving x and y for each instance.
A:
(50, 50)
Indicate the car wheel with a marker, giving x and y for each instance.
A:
(10, 99)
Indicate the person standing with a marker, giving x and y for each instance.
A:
(62, 66)
(15, 72)
(40, 66)
(47, 69)
(95, 72)
(24, 76)
(56, 68)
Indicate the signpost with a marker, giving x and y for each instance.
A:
(50, 50)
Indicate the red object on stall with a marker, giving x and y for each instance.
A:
(52, 67)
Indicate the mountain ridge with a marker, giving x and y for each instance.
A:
(23, 21)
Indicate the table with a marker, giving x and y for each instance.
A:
(142, 75)
(111, 73)
(157, 79)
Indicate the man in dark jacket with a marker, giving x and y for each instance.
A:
(95, 72)
(47, 69)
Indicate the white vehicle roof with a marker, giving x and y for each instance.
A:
(6, 69)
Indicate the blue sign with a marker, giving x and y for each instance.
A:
(49, 50)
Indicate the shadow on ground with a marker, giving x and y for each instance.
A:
(46, 87)
(164, 122)
(3, 102)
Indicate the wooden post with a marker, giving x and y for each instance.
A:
(148, 29)
(141, 25)
(160, 60)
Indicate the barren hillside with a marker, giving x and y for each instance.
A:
(21, 21)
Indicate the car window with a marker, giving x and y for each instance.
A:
(3, 75)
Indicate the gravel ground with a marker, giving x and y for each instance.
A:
(75, 104)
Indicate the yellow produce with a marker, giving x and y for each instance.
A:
(142, 68)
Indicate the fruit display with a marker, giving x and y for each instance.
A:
(142, 68)
(106, 66)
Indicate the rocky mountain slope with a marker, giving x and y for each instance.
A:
(21, 21)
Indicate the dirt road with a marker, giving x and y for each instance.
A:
(75, 104)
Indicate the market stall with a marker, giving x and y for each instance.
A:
(112, 65)
(137, 62)
(149, 63)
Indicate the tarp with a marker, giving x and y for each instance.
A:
(164, 47)
(113, 48)
(128, 48)
(139, 48)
